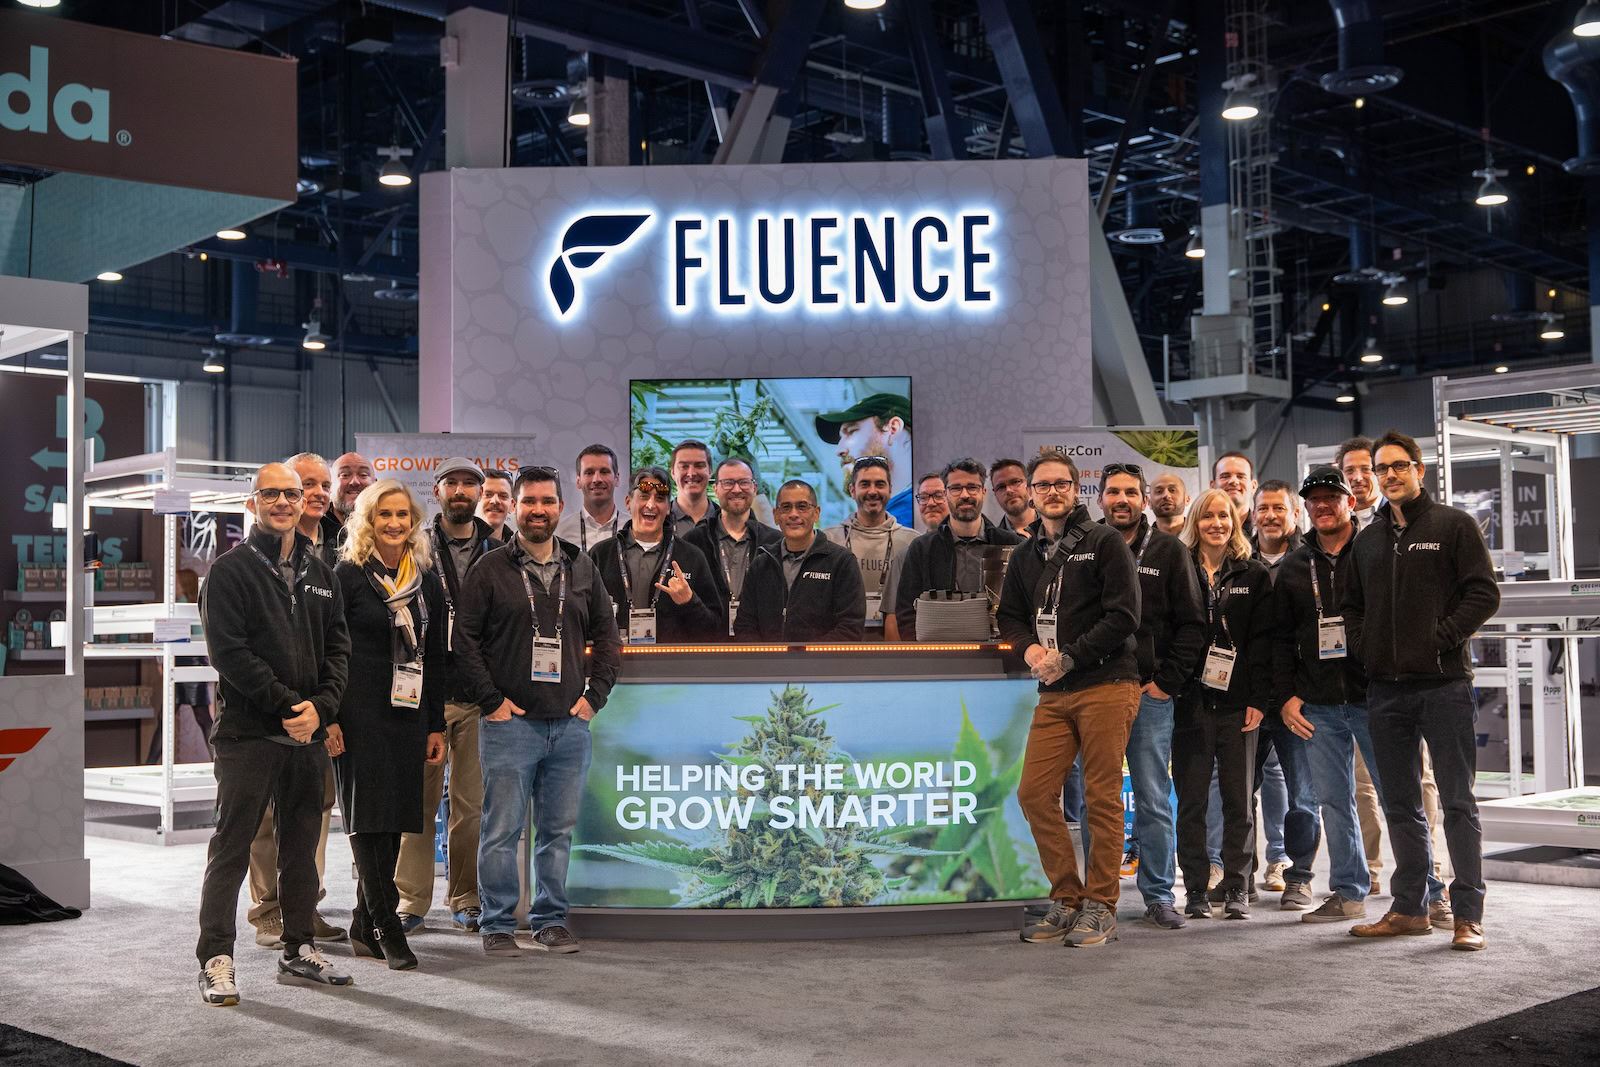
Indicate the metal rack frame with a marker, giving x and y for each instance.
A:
(133, 482)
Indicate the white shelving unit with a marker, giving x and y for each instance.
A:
(134, 482)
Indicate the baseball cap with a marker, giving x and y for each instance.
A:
(881, 405)
(455, 464)
(1325, 477)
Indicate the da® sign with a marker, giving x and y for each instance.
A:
(72, 100)
(814, 263)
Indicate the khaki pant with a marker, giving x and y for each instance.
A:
(1093, 722)
(414, 875)
(264, 853)
(1371, 815)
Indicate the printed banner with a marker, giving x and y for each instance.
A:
(828, 794)
(414, 457)
(1156, 450)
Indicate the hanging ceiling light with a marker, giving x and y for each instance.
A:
(1587, 24)
(231, 235)
(1370, 353)
(1240, 105)
(578, 113)
(1501, 369)
(108, 276)
(1393, 297)
(1346, 395)
(863, 5)
(1194, 249)
(211, 361)
(315, 339)
(1491, 193)
(394, 173)
(57, 3)
(1552, 330)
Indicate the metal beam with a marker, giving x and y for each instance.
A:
(945, 130)
(1141, 88)
(304, 257)
(1014, 37)
(780, 64)
(642, 41)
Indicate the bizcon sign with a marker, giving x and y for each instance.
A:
(778, 263)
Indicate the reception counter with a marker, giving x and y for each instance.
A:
(807, 791)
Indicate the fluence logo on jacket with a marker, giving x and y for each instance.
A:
(701, 619)
(874, 547)
(1090, 581)
(827, 601)
(1172, 611)
(1418, 593)
(1243, 620)
(273, 644)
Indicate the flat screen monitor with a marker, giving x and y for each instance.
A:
(808, 428)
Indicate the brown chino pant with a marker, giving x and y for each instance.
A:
(264, 853)
(414, 875)
(1093, 723)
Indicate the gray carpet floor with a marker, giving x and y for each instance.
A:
(121, 981)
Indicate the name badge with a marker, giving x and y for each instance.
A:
(1045, 626)
(1330, 638)
(874, 609)
(547, 659)
(406, 689)
(733, 613)
(641, 626)
(450, 631)
(1219, 668)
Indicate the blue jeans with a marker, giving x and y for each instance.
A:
(545, 760)
(1338, 730)
(1155, 827)
(1299, 826)
(1274, 805)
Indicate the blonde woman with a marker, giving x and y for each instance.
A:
(392, 717)
(1218, 713)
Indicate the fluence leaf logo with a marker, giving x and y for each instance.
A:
(14, 743)
(583, 246)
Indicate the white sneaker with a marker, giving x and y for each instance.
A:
(311, 966)
(216, 982)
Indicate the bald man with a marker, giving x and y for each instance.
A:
(275, 633)
(352, 473)
(1169, 497)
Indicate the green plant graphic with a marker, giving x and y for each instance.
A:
(1170, 448)
(817, 867)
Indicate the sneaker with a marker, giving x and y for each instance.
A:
(1216, 876)
(1096, 924)
(216, 982)
(556, 939)
(466, 919)
(410, 923)
(1130, 865)
(1237, 905)
(1054, 926)
(1198, 906)
(1296, 897)
(269, 932)
(1441, 915)
(1273, 879)
(1163, 915)
(1394, 924)
(1336, 909)
(501, 945)
(322, 930)
(1468, 936)
(309, 965)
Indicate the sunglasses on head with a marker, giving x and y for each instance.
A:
(1123, 468)
(651, 487)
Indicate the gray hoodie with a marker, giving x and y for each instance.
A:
(874, 547)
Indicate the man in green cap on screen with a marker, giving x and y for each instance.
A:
(878, 425)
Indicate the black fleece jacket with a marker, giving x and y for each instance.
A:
(1098, 604)
(930, 563)
(700, 620)
(273, 647)
(444, 566)
(1417, 595)
(707, 537)
(1172, 610)
(1297, 670)
(1244, 599)
(828, 601)
(494, 635)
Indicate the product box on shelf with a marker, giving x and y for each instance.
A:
(30, 580)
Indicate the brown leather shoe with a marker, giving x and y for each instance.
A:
(1469, 936)
(1395, 925)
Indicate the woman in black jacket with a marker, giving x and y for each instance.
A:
(1220, 709)
(391, 719)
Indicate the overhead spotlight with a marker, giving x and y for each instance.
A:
(1327, 307)
(315, 339)
(1393, 297)
(1346, 396)
(1587, 24)
(1194, 249)
(1552, 294)
(231, 235)
(1361, 102)
(108, 276)
(863, 5)
(1552, 330)
(1501, 369)
(57, 3)
(1491, 193)
(578, 113)
(1531, 170)
(1372, 357)
(211, 362)
(394, 173)
(1240, 105)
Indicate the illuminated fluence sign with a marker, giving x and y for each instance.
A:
(821, 262)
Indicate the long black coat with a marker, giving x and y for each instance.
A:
(380, 773)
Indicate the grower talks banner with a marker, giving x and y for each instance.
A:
(823, 794)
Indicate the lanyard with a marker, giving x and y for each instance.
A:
(727, 568)
(1138, 557)
(561, 602)
(1316, 587)
(888, 555)
(441, 545)
(1218, 603)
(305, 565)
(627, 583)
(583, 529)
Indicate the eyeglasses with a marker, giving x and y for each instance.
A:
(928, 498)
(793, 507)
(736, 483)
(1012, 484)
(1399, 466)
(1061, 487)
(1122, 468)
(270, 496)
(964, 490)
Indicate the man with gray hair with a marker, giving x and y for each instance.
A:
(317, 520)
